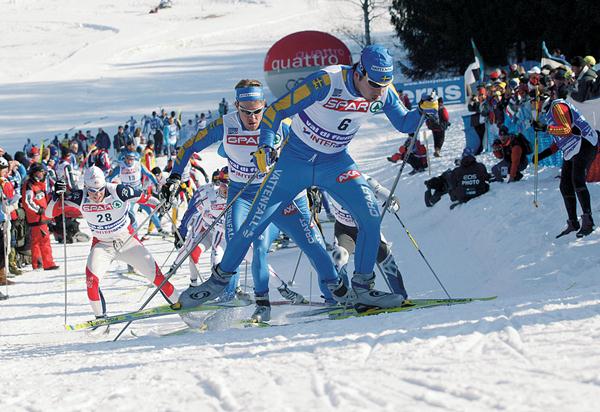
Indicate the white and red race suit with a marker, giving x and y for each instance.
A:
(111, 228)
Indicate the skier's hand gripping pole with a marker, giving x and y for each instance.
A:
(182, 257)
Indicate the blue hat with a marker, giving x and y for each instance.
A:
(467, 152)
(248, 94)
(132, 154)
(377, 63)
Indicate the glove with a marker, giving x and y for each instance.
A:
(394, 205)
(60, 187)
(315, 199)
(264, 157)
(576, 131)
(41, 211)
(178, 242)
(539, 126)
(429, 105)
(170, 187)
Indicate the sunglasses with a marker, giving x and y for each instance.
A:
(251, 112)
(372, 83)
(92, 190)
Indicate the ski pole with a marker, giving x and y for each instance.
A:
(536, 149)
(291, 282)
(287, 293)
(64, 228)
(5, 236)
(415, 244)
(408, 153)
(181, 258)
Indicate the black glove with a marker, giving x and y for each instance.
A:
(316, 200)
(178, 242)
(170, 187)
(576, 130)
(60, 187)
(539, 126)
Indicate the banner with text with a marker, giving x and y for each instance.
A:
(452, 89)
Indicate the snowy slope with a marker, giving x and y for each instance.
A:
(534, 348)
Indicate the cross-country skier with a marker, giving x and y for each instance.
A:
(105, 207)
(346, 233)
(577, 139)
(239, 132)
(205, 206)
(328, 108)
(130, 171)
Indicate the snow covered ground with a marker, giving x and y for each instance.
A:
(536, 347)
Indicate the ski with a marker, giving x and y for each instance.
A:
(411, 304)
(152, 313)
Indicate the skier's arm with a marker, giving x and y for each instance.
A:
(29, 201)
(562, 121)
(150, 176)
(204, 138)
(403, 120)
(382, 193)
(314, 88)
(114, 173)
(72, 204)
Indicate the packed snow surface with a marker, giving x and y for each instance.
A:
(75, 64)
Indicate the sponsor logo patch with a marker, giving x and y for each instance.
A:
(343, 105)
(241, 140)
(96, 207)
(349, 175)
(382, 69)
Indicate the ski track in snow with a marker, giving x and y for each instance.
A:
(533, 348)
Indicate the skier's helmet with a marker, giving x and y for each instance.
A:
(3, 162)
(94, 179)
(377, 64)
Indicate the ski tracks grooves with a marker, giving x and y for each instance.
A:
(216, 390)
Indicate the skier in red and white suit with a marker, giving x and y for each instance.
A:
(104, 206)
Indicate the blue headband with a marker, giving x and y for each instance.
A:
(249, 94)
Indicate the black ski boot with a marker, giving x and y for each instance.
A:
(572, 226)
(587, 225)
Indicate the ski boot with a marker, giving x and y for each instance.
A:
(292, 296)
(262, 313)
(209, 290)
(587, 225)
(362, 294)
(572, 226)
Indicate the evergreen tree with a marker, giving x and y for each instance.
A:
(436, 33)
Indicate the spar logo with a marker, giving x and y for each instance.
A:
(96, 207)
(349, 175)
(376, 106)
(240, 140)
(117, 204)
(343, 105)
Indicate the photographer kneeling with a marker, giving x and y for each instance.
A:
(463, 183)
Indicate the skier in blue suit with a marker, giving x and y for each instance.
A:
(327, 109)
(238, 133)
